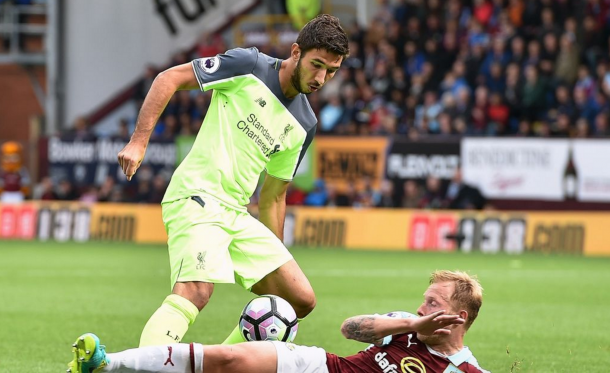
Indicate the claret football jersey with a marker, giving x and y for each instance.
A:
(250, 127)
(404, 353)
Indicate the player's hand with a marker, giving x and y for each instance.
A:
(130, 158)
(437, 323)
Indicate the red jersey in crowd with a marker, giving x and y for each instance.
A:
(10, 181)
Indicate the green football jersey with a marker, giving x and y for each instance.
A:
(250, 127)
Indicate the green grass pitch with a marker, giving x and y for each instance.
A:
(540, 313)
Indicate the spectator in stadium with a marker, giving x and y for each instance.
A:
(550, 47)
(479, 118)
(524, 129)
(444, 125)
(433, 341)
(562, 127)
(331, 115)
(89, 195)
(412, 195)
(259, 119)
(342, 196)
(365, 194)
(427, 113)
(159, 186)
(66, 191)
(433, 197)
(563, 101)
(384, 197)
(533, 95)
(45, 190)
(117, 195)
(295, 196)
(600, 128)
(143, 192)
(463, 196)
(81, 131)
(123, 131)
(318, 196)
(144, 85)
(105, 190)
(169, 128)
(582, 129)
(498, 114)
(566, 68)
(210, 45)
(495, 81)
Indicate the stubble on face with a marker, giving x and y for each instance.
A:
(295, 78)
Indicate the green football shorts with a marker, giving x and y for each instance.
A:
(210, 242)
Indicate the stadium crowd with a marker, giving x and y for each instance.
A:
(452, 68)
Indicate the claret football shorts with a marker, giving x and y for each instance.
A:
(210, 242)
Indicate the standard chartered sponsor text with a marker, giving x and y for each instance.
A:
(259, 136)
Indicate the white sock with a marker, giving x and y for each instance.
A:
(175, 358)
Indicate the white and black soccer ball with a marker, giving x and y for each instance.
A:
(268, 318)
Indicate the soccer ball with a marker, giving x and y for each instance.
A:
(268, 318)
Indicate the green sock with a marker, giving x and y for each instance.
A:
(235, 337)
(170, 322)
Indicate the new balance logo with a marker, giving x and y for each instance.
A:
(261, 102)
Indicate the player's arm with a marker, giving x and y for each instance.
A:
(373, 328)
(272, 204)
(164, 86)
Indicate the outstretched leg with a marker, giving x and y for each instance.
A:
(254, 357)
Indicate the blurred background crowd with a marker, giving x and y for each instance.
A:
(422, 68)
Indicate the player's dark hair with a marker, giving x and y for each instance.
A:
(324, 32)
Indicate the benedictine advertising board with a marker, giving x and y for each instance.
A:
(543, 169)
(516, 168)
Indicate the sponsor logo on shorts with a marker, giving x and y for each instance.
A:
(210, 65)
(201, 259)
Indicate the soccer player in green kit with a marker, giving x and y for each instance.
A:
(258, 120)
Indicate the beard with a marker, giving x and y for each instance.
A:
(295, 79)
